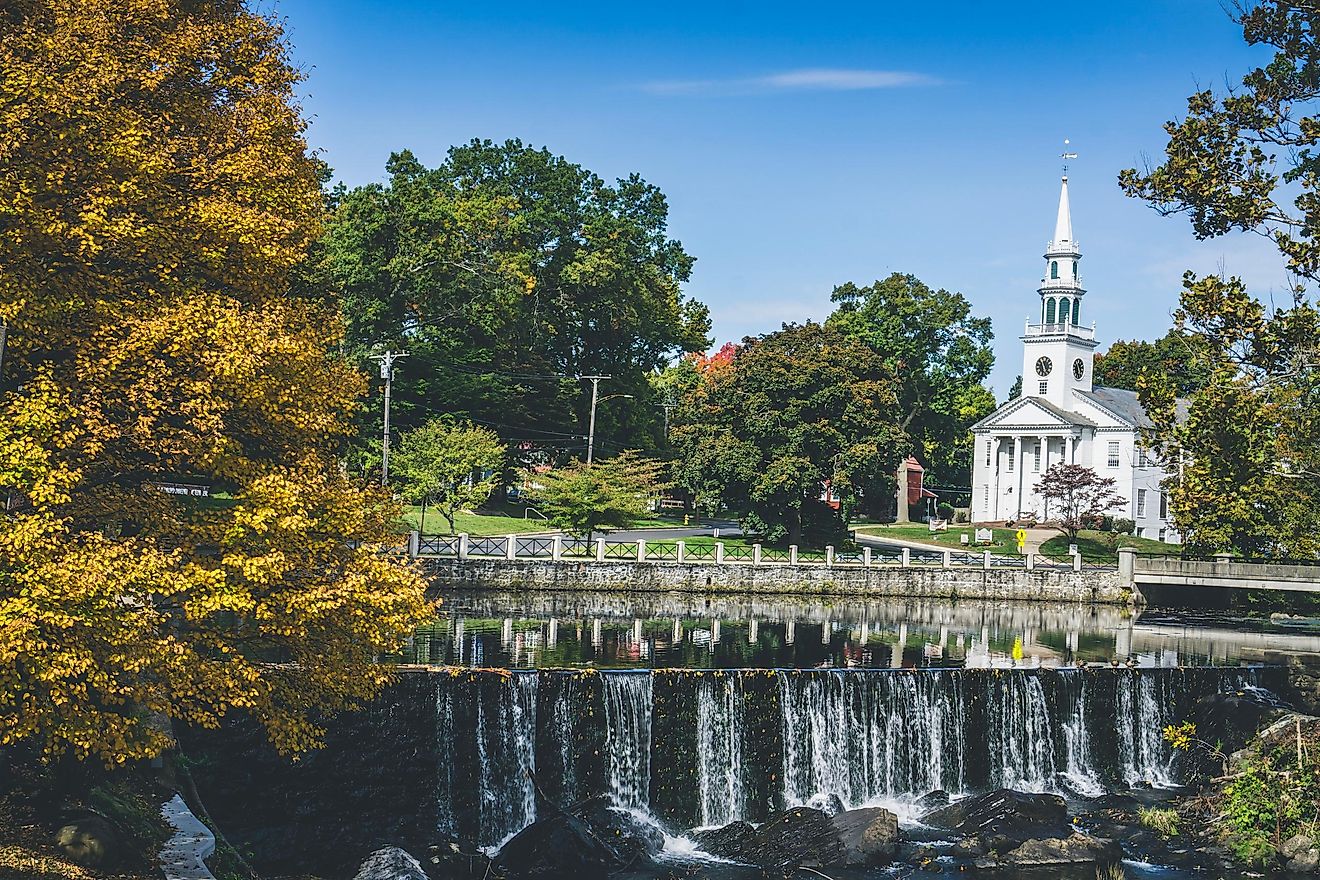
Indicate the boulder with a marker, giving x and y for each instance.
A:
(800, 837)
(623, 832)
(454, 861)
(932, 800)
(1296, 844)
(1075, 849)
(1305, 862)
(735, 841)
(869, 836)
(1004, 819)
(561, 846)
(390, 863)
(829, 804)
(90, 841)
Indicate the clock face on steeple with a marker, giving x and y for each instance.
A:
(1079, 368)
(1043, 367)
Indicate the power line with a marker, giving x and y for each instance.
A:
(387, 373)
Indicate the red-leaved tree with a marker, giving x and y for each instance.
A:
(1079, 494)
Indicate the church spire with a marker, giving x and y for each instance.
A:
(1063, 225)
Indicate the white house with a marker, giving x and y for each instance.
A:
(1061, 416)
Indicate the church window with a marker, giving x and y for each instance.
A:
(985, 497)
(1113, 453)
(1011, 458)
(1063, 310)
(1141, 503)
(1164, 506)
(1054, 268)
(1143, 457)
(1074, 262)
(1163, 535)
(1049, 310)
(1035, 466)
(989, 447)
(1044, 387)
(1077, 310)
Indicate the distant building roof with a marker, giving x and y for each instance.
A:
(1122, 403)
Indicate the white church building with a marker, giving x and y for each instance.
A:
(1061, 416)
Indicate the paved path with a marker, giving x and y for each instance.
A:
(183, 855)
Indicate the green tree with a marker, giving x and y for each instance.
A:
(507, 271)
(583, 498)
(939, 354)
(1177, 355)
(793, 411)
(1016, 390)
(451, 465)
(1243, 447)
(1080, 495)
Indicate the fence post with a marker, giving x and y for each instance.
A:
(511, 547)
(463, 546)
(1077, 562)
(681, 551)
(1031, 562)
(414, 544)
(948, 559)
(641, 549)
(907, 557)
(1127, 565)
(985, 560)
(829, 554)
(756, 554)
(557, 547)
(866, 557)
(600, 549)
(792, 554)
(719, 552)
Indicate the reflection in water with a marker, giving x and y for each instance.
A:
(566, 629)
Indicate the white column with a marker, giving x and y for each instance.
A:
(641, 549)
(510, 546)
(1068, 449)
(557, 547)
(682, 551)
(992, 511)
(1017, 464)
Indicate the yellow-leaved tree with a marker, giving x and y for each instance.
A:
(156, 192)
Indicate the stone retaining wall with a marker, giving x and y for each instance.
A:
(852, 581)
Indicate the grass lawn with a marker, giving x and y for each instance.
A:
(1005, 540)
(1103, 546)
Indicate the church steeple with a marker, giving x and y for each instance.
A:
(1061, 289)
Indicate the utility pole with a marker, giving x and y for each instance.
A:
(667, 406)
(387, 373)
(591, 423)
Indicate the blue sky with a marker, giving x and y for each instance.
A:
(804, 145)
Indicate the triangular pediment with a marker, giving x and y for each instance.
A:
(1033, 412)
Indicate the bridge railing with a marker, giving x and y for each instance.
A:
(671, 551)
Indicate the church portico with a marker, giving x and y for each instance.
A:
(1061, 416)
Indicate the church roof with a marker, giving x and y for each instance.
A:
(1119, 402)
(1063, 239)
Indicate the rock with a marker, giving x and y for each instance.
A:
(968, 848)
(1005, 819)
(932, 800)
(390, 863)
(91, 841)
(829, 804)
(800, 837)
(1298, 843)
(1305, 862)
(453, 861)
(562, 846)
(1077, 848)
(734, 841)
(624, 833)
(869, 836)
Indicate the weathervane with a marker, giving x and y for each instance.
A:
(1065, 156)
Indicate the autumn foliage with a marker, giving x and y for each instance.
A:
(155, 194)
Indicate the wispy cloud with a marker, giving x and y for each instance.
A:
(816, 79)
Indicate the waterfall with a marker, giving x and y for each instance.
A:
(1020, 733)
(628, 738)
(1143, 711)
(445, 822)
(719, 748)
(506, 755)
(1079, 772)
(871, 736)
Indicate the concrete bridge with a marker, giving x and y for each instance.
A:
(1221, 572)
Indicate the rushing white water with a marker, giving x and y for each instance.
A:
(628, 738)
(719, 748)
(1141, 718)
(1020, 733)
(1078, 765)
(506, 758)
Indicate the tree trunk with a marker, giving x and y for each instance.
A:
(421, 520)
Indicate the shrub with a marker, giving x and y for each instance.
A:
(1123, 526)
(1161, 820)
(1106, 523)
(962, 515)
(945, 511)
